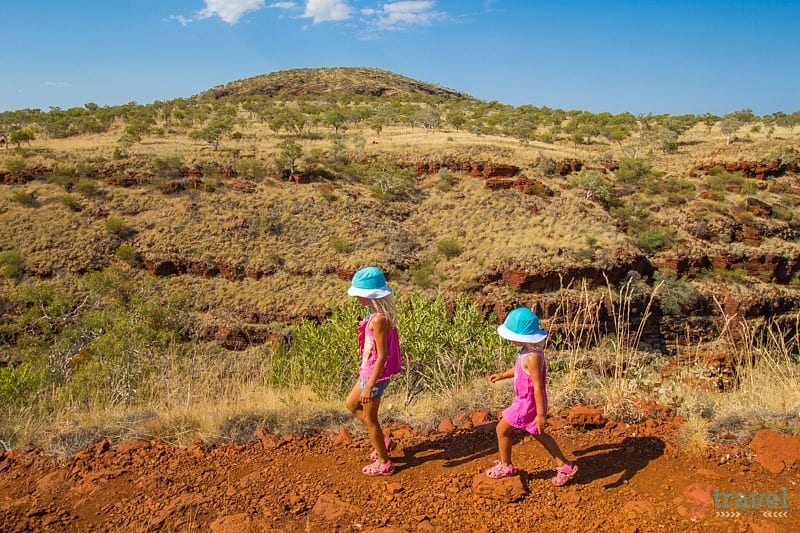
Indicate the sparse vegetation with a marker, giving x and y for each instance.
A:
(85, 328)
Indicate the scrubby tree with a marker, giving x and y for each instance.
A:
(21, 136)
(729, 126)
(287, 158)
(213, 132)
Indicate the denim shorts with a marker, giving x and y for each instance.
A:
(377, 389)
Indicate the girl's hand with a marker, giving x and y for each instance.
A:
(494, 377)
(541, 423)
(366, 395)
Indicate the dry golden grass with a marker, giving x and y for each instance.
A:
(303, 236)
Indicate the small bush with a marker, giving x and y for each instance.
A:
(341, 244)
(168, 166)
(422, 274)
(17, 165)
(11, 264)
(127, 253)
(598, 189)
(674, 296)
(85, 187)
(117, 226)
(24, 198)
(71, 202)
(327, 194)
(449, 248)
(651, 240)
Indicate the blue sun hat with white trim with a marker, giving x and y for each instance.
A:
(522, 325)
(369, 282)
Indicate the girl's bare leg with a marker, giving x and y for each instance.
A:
(552, 448)
(503, 431)
(353, 403)
(370, 412)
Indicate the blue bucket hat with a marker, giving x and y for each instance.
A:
(522, 325)
(369, 283)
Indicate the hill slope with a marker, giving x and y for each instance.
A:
(322, 81)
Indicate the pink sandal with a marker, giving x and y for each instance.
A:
(379, 469)
(564, 474)
(390, 445)
(500, 470)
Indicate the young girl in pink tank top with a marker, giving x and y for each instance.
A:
(528, 411)
(379, 349)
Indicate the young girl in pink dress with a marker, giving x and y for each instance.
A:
(379, 348)
(528, 412)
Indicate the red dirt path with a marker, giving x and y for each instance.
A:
(631, 478)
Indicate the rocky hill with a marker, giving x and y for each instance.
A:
(331, 81)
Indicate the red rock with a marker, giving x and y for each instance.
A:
(775, 451)
(131, 445)
(343, 437)
(507, 489)
(582, 415)
(330, 509)
(445, 426)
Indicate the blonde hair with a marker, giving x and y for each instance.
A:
(385, 305)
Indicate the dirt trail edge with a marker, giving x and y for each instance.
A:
(632, 478)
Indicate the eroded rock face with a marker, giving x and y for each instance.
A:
(754, 169)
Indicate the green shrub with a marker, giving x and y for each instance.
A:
(117, 226)
(634, 170)
(251, 169)
(449, 248)
(168, 166)
(19, 385)
(422, 274)
(86, 187)
(674, 296)
(444, 346)
(24, 198)
(341, 244)
(598, 189)
(127, 253)
(11, 264)
(71, 202)
(651, 240)
(17, 165)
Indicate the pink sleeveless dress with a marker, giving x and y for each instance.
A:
(521, 414)
(369, 352)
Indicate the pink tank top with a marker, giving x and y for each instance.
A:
(522, 412)
(369, 352)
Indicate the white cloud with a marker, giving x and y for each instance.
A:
(327, 10)
(57, 84)
(229, 10)
(183, 21)
(283, 5)
(404, 14)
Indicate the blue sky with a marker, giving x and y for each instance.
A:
(637, 56)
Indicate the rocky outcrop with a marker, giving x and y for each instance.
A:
(754, 169)
(476, 169)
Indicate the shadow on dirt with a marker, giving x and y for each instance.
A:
(627, 457)
(453, 448)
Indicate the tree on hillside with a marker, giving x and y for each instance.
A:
(457, 119)
(728, 127)
(709, 120)
(429, 118)
(21, 136)
(335, 118)
(213, 132)
(286, 160)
